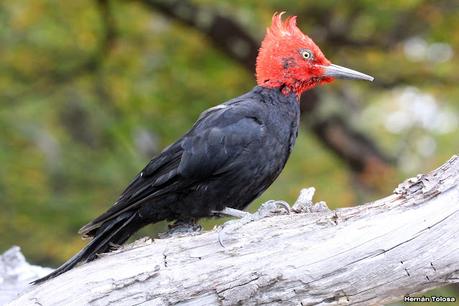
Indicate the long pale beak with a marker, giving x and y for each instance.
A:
(339, 72)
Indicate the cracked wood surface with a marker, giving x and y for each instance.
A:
(370, 254)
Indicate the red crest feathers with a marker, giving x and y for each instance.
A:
(285, 29)
(281, 61)
(288, 27)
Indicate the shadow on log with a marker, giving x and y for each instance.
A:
(370, 254)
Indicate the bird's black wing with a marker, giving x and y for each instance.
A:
(218, 142)
(210, 148)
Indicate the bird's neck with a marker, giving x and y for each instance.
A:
(288, 88)
(276, 94)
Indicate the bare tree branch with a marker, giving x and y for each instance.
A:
(365, 255)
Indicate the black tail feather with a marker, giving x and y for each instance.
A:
(115, 231)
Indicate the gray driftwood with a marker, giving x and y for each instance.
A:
(370, 254)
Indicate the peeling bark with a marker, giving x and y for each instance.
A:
(370, 254)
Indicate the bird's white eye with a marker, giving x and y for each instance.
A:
(306, 54)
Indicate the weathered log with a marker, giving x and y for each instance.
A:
(375, 253)
(16, 274)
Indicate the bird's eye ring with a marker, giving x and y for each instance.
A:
(306, 54)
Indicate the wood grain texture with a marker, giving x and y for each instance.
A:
(370, 254)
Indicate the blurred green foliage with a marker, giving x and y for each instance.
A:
(82, 112)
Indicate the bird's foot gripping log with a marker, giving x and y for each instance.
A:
(303, 204)
(183, 228)
(266, 209)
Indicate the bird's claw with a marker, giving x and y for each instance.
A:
(272, 208)
(266, 209)
(221, 235)
(244, 218)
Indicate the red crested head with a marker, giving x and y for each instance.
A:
(290, 60)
